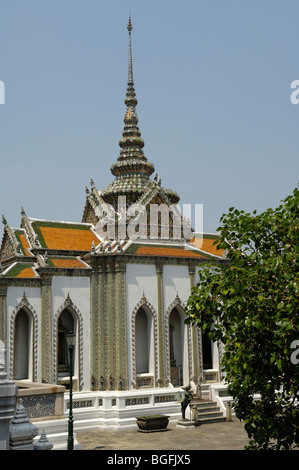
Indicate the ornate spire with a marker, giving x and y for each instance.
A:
(130, 78)
(132, 170)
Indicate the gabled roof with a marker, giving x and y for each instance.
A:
(162, 249)
(45, 244)
(70, 236)
(14, 244)
(204, 250)
(30, 270)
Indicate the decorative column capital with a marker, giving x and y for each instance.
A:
(3, 290)
(120, 265)
(159, 268)
(192, 268)
(46, 280)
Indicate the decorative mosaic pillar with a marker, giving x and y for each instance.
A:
(196, 344)
(46, 329)
(102, 331)
(99, 338)
(162, 377)
(3, 316)
(111, 331)
(94, 330)
(121, 326)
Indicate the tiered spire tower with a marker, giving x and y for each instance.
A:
(132, 170)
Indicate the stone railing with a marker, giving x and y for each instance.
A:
(219, 393)
(41, 400)
(117, 410)
(210, 376)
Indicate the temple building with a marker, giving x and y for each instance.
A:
(119, 280)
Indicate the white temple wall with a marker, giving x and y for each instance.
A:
(16, 294)
(141, 281)
(176, 281)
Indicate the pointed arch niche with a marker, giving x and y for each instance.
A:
(68, 319)
(144, 344)
(23, 342)
(178, 344)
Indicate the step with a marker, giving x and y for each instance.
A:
(204, 404)
(209, 412)
(211, 420)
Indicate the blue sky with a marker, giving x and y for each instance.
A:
(212, 80)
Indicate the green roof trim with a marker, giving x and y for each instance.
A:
(134, 247)
(52, 265)
(18, 268)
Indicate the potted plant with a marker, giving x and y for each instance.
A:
(152, 423)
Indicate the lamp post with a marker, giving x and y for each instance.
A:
(71, 340)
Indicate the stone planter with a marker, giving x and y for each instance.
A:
(152, 423)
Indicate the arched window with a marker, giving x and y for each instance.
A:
(66, 324)
(176, 347)
(144, 341)
(22, 342)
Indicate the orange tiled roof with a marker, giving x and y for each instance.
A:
(26, 272)
(67, 263)
(64, 238)
(167, 251)
(206, 244)
(24, 244)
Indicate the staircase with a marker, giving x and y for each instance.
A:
(209, 412)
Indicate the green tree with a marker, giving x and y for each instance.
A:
(251, 306)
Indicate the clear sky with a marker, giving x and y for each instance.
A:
(212, 78)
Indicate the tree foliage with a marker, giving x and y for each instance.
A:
(250, 305)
